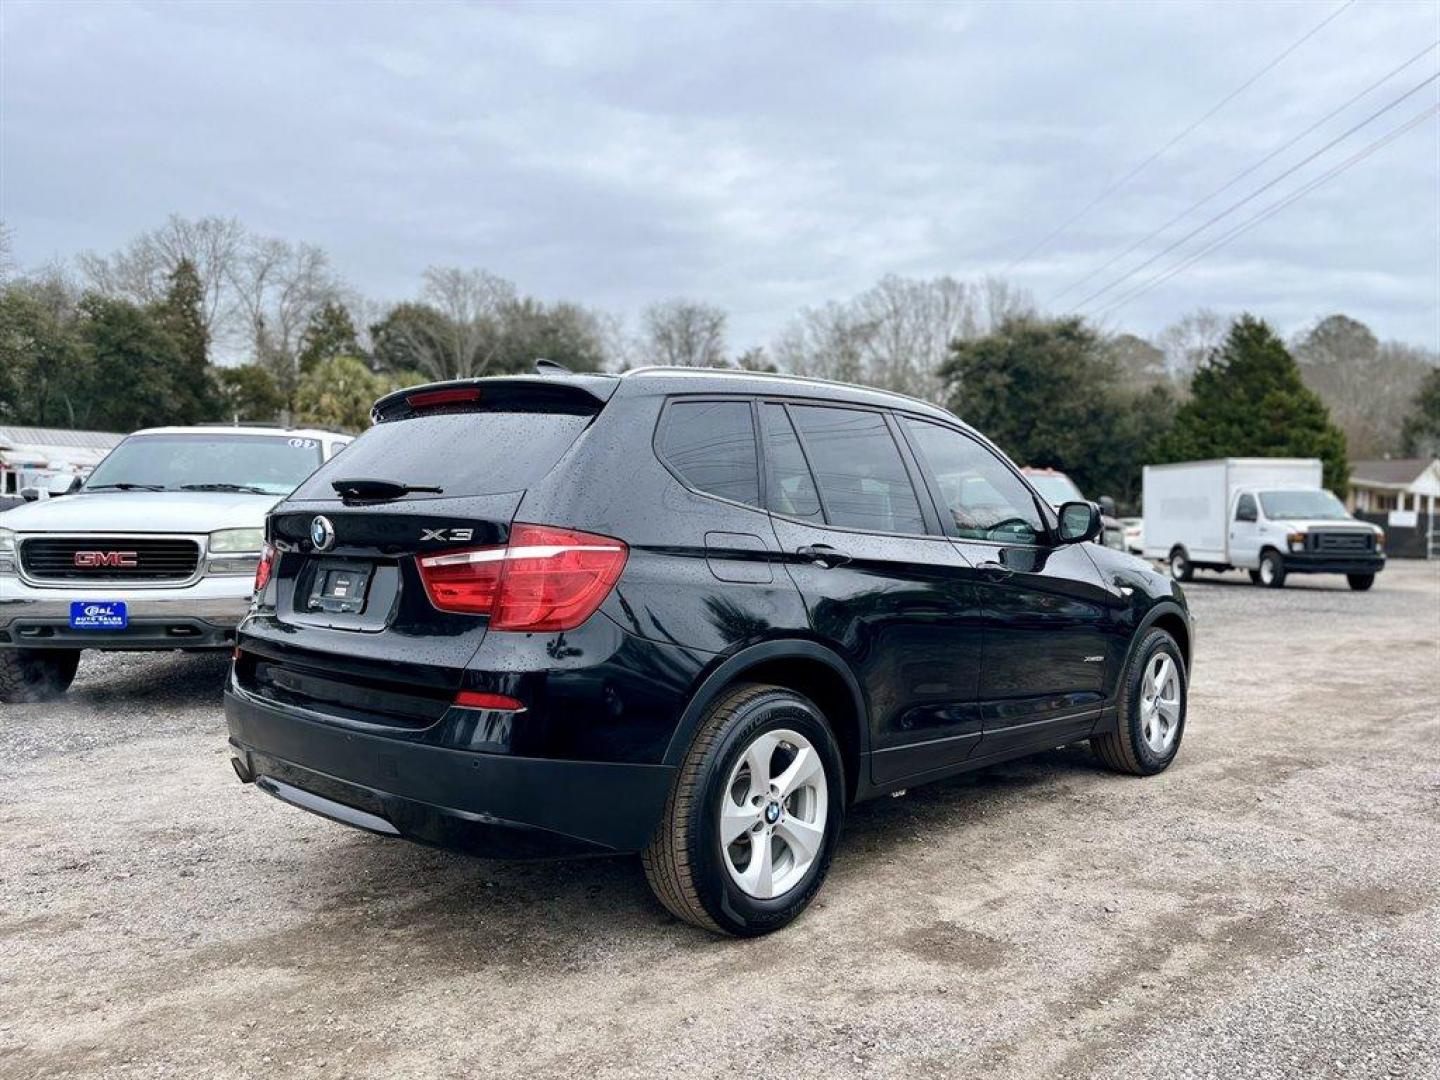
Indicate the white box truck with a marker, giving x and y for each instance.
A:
(1269, 516)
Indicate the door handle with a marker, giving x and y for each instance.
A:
(823, 555)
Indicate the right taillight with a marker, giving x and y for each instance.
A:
(265, 567)
(545, 579)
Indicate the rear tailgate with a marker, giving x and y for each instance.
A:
(345, 627)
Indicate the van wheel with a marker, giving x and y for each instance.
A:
(1272, 570)
(1153, 692)
(1181, 569)
(752, 820)
(36, 674)
(1360, 582)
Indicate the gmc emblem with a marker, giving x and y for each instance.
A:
(97, 559)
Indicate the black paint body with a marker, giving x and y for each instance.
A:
(929, 653)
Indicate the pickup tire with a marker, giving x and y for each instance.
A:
(686, 862)
(1360, 582)
(1181, 568)
(1136, 746)
(1272, 570)
(28, 675)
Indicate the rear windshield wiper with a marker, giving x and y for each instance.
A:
(379, 490)
(225, 486)
(123, 486)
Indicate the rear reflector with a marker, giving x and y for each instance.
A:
(426, 398)
(544, 579)
(474, 699)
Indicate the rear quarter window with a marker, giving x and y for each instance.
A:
(466, 453)
(711, 446)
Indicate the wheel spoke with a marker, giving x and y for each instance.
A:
(735, 820)
(804, 839)
(799, 772)
(758, 877)
(1169, 708)
(758, 756)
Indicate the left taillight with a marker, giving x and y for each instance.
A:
(545, 579)
(265, 567)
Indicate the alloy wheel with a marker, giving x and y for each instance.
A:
(1160, 703)
(773, 814)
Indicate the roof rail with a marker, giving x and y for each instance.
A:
(779, 376)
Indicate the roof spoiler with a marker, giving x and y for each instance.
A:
(579, 395)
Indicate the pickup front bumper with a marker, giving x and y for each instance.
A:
(202, 615)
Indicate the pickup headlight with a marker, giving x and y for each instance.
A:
(228, 540)
(1296, 541)
(7, 551)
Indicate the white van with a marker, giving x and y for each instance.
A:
(1269, 516)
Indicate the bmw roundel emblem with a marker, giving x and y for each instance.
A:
(322, 533)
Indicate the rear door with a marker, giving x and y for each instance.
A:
(1049, 635)
(345, 626)
(877, 578)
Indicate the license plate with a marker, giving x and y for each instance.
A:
(339, 587)
(98, 615)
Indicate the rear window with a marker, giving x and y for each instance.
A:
(469, 453)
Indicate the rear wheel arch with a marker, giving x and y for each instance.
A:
(806, 667)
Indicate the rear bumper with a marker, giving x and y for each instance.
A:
(1333, 564)
(202, 615)
(487, 804)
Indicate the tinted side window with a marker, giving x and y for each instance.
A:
(1245, 508)
(863, 483)
(712, 445)
(790, 489)
(985, 500)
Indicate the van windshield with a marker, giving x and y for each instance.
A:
(1297, 505)
(468, 453)
(260, 464)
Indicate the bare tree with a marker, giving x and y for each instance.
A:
(473, 303)
(279, 286)
(140, 270)
(1188, 342)
(685, 333)
(7, 258)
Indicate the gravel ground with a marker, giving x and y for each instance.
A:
(1269, 907)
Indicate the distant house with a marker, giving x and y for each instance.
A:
(30, 456)
(1399, 495)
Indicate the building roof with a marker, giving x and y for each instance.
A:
(11, 436)
(1392, 472)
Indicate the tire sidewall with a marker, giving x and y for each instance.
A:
(1180, 567)
(723, 900)
(1276, 579)
(1149, 761)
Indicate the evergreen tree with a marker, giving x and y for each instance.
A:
(1248, 400)
(329, 333)
(181, 314)
(134, 362)
(250, 392)
(1421, 433)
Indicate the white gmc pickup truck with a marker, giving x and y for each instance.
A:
(157, 550)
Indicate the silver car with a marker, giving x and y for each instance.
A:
(157, 550)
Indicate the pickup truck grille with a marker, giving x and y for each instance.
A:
(109, 558)
(1342, 542)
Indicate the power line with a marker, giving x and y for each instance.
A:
(1112, 188)
(1270, 211)
(1254, 194)
(1241, 175)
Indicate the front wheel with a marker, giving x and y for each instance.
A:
(1181, 568)
(1153, 689)
(751, 823)
(36, 674)
(1360, 582)
(1272, 570)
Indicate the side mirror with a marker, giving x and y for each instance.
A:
(1079, 521)
(30, 494)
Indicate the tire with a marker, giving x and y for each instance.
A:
(1181, 568)
(1132, 747)
(1360, 582)
(689, 869)
(1272, 570)
(36, 674)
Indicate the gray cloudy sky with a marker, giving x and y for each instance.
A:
(764, 157)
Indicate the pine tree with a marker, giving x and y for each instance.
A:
(1248, 400)
(181, 316)
(1421, 434)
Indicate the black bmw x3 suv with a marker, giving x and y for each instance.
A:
(688, 613)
